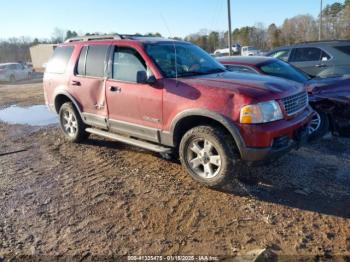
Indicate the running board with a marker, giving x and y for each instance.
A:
(130, 141)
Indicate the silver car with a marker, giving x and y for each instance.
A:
(315, 57)
(12, 72)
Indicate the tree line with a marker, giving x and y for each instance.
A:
(300, 28)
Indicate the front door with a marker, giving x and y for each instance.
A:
(311, 60)
(134, 109)
(88, 84)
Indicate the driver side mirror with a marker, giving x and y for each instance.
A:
(142, 78)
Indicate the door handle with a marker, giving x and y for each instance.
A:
(321, 65)
(115, 89)
(76, 83)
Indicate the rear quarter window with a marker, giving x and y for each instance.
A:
(59, 60)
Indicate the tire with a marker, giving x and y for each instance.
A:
(319, 126)
(208, 154)
(71, 123)
(12, 79)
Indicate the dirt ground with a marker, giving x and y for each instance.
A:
(103, 198)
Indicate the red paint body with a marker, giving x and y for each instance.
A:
(223, 93)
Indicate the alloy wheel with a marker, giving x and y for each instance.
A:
(203, 158)
(69, 123)
(315, 123)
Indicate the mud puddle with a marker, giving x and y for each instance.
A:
(37, 115)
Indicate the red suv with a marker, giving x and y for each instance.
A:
(172, 97)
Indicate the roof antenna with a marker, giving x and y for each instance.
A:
(175, 52)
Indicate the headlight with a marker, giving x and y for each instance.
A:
(261, 113)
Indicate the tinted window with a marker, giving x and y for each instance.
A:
(284, 70)
(81, 62)
(95, 60)
(240, 69)
(59, 61)
(306, 54)
(281, 54)
(345, 49)
(126, 63)
(12, 67)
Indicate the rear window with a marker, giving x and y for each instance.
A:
(96, 60)
(59, 61)
(345, 49)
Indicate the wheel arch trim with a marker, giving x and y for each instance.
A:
(224, 121)
(69, 96)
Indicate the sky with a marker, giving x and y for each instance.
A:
(38, 18)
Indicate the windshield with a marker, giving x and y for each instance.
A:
(281, 69)
(190, 60)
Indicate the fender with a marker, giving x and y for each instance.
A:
(223, 120)
(65, 93)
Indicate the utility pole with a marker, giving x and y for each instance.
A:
(321, 22)
(229, 27)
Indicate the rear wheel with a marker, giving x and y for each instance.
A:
(319, 125)
(208, 155)
(12, 79)
(72, 124)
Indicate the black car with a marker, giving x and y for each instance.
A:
(329, 96)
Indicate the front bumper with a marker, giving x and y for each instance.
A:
(290, 137)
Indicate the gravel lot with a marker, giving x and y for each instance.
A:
(105, 198)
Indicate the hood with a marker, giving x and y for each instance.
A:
(257, 87)
(337, 89)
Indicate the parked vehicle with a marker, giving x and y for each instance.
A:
(249, 51)
(328, 96)
(12, 72)
(236, 49)
(314, 57)
(171, 97)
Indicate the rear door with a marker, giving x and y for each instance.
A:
(88, 84)
(311, 60)
(134, 109)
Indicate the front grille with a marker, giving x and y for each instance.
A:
(296, 103)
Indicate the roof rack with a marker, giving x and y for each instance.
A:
(107, 37)
(94, 38)
(323, 41)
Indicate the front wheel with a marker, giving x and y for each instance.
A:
(208, 154)
(71, 123)
(319, 125)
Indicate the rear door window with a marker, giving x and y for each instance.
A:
(95, 64)
(59, 60)
(306, 54)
